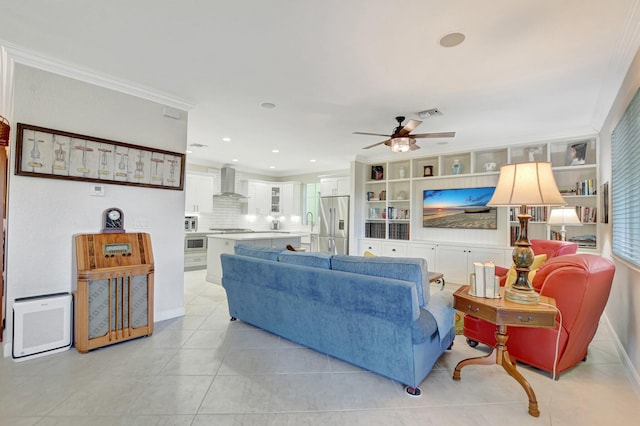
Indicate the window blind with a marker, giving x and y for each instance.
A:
(625, 184)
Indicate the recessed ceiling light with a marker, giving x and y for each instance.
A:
(226, 139)
(235, 160)
(189, 152)
(267, 105)
(452, 39)
(442, 143)
(312, 161)
(275, 151)
(272, 167)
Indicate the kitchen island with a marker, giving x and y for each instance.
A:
(225, 243)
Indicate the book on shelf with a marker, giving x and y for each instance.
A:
(586, 187)
(585, 241)
(399, 231)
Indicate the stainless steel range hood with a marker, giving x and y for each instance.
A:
(228, 184)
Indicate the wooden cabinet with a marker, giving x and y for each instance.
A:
(198, 194)
(113, 301)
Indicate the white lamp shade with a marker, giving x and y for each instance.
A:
(564, 216)
(530, 184)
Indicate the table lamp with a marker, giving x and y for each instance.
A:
(565, 216)
(525, 184)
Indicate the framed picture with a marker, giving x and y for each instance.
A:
(56, 154)
(576, 154)
(604, 202)
(464, 208)
(428, 171)
(377, 172)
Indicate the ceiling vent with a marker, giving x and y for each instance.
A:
(429, 113)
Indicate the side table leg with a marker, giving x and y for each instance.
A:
(491, 358)
(513, 372)
(509, 366)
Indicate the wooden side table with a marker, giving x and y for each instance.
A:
(504, 313)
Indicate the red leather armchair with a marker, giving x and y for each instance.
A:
(580, 285)
(551, 248)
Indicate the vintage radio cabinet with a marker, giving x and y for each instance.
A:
(113, 301)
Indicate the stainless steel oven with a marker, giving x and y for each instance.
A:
(195, 243)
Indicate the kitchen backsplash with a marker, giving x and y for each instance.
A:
(227, 213)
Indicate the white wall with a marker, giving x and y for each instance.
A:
(44, 214)
(623, 308)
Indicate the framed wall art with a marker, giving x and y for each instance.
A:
(56, 154)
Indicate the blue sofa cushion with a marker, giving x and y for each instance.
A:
(400, 268)
(315, 260)
(267, 253)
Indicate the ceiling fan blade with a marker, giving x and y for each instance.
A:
(434, 135)
(370, 134)
(413, 147)
(408, 128)
(376, 144)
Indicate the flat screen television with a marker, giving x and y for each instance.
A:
(459, 208)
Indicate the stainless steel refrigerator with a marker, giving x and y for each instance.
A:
(333, 236)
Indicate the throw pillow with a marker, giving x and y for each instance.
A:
(512, 274)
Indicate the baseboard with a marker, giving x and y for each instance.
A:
(632, 373)
(169, 314)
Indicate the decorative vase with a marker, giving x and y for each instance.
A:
(401, 172)
(457, 167)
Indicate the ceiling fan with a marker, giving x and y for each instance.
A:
(401, 140)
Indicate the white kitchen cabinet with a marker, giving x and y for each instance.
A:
(291, 199)
(198, 194)
(269, 198)
(456, 262)
(275, 198)
(334, 186)
(259, 201)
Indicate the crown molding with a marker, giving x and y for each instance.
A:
(38, 60)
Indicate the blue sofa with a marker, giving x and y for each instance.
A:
(373, 312)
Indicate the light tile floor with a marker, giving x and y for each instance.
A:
(204, 370)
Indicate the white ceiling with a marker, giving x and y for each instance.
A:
(528, 70)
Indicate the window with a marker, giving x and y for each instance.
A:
(625, 175)
(312, 197)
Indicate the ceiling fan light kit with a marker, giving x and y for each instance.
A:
(401, 140)
(401, 144)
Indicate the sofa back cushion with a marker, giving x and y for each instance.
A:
(315, 260)
(409, 269)
(267, 253)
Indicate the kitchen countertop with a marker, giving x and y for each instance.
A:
(255, 236)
